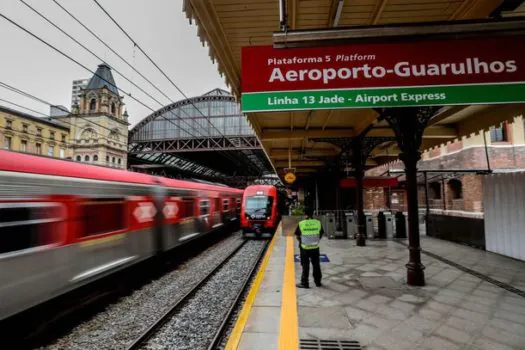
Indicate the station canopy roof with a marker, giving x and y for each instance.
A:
(226, 26)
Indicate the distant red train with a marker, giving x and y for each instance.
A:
(260, 210)
(64, 224)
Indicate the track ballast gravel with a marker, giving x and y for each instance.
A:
(122, 322)
(195, 324)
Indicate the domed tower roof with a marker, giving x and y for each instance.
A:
(101, 78)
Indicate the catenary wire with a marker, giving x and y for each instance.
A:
(99, 58)
(156, 65)
(81, 65)
(111, 49)
(33, 97)
(114, 52)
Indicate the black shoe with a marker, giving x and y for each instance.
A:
(300, 285)
(319, 284)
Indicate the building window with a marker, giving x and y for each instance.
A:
(9, 124)
(50, 151)
(52, 135)
(38, 148)
(79, 158)
(92, 105)
(456, 189)
(7, 142)
(62, 153)
(25, 128)
(498, 134)
(86, 158)
(113, 109)
(23, 145)
(39, 132)
(119, 161)
(107, 159)
(64, 137)
(113, 160)
(95, 158)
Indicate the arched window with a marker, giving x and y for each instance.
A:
(107, 159)
(79, 158)
(95, 158)
(120, 161)
(113, 108)
(456, 189)
(86, 158)
(113, 160)
(93, 105)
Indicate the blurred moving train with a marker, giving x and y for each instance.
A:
(65, 224)
(261, 210)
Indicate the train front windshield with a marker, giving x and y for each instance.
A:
(259, 206)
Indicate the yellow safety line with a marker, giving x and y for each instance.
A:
(289, 332)
(235, 335)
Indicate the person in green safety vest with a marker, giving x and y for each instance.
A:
(308, 233)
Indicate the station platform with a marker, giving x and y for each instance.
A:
(472, 299)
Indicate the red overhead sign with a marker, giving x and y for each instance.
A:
(439, 72)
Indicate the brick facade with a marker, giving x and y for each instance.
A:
(471, 185)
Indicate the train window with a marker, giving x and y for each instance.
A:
(226, 204)
(103, 216)
(187, 208)
(238, 202)
(28, 225)
(204, 207)
(217, 204)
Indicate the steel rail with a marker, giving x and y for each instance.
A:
(165, 317)
(214, 344)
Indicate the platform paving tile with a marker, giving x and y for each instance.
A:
(391, 342)
(435, 342)
(258, 341)
(326, 317)
(453, 311)
(503, 337)
(469, 326)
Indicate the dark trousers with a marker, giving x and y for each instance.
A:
(312, 255)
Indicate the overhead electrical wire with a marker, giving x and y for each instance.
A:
(35, 98)
(118, 55)
(99, 58)
(156, 65)
(111, 49)
(82, 65)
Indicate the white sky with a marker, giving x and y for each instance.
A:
(158, 26)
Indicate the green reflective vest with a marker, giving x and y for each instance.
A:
(310, 233)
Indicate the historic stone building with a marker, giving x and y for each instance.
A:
(23, 132)
(99, 124)
(457, 192)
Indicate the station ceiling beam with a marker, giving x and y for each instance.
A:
(399, 32)
(284, 153)
(279, 134)
(300, 163)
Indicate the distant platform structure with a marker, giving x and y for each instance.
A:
(205, 137)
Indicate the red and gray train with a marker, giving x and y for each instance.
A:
(262, 206)
(65, 224)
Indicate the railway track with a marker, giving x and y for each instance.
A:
(173, 329)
